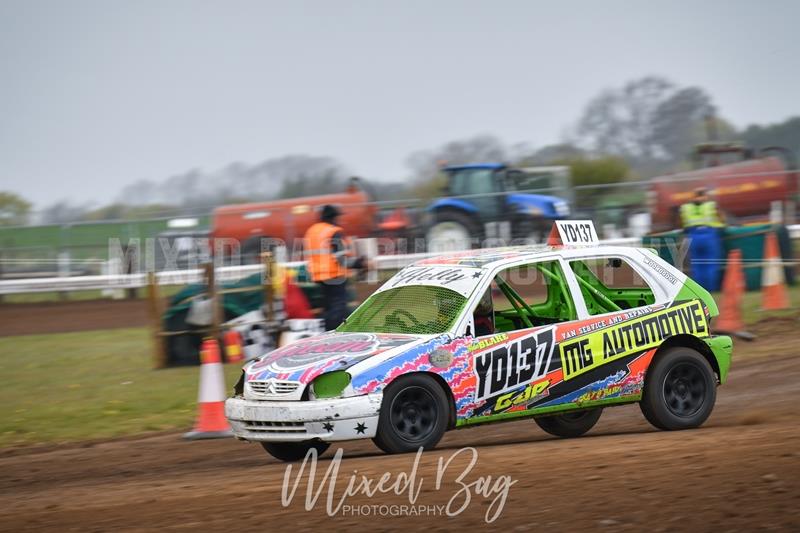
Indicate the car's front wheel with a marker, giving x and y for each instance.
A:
(572, 424)
(679, 391)
(294, 451)
(414, 414)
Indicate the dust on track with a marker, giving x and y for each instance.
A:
(740, 470)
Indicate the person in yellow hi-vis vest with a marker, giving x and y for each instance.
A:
(330, 256)
(703, 225)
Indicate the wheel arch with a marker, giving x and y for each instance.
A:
(685, 340)
(455, 204)
(440, 212)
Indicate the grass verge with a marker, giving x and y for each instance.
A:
(97, 384)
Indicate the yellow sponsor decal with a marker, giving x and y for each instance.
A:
(488, 343)
(585, 353)
(531, 391)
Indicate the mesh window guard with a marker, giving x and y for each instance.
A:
(418, 309)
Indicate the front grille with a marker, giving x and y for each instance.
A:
(273, 387)
(257, 426)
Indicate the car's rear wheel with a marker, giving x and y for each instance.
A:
(571, 424)
(679, 391)
(414, 415)
(294, 451)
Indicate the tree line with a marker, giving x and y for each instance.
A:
(644, 128)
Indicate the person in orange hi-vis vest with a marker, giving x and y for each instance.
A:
(330, 258)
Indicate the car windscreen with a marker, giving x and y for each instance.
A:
(415, 309)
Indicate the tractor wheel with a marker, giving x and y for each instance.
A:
(451, 231)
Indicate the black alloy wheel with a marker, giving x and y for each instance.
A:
(414, 414)
(684, 389)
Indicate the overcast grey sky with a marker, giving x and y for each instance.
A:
(97, 94)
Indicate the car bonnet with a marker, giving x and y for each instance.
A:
(306, 359)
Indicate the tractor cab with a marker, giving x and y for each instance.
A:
(491, 201)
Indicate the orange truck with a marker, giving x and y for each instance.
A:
(744, 189)
(287, 220)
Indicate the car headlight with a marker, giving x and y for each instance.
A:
(330, 385)
(562, 208)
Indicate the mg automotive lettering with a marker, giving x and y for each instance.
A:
(582, 354)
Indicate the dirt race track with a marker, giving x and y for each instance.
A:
(85, 315)
(64, 317)
(741, 470)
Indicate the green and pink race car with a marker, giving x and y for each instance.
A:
(555, 333)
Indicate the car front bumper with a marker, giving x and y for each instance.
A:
(328, 420)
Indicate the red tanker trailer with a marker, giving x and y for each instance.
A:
(743, 190)
(288, 220)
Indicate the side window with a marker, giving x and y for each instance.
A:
(480, 182)
(610, 284)
(457, 183)
(524, 297)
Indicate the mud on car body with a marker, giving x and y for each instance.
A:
(552, 333)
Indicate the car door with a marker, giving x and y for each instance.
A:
(604, 355)
(514, 360)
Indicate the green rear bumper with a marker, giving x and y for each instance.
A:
(722, 348)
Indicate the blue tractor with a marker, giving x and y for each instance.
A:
(486, 205)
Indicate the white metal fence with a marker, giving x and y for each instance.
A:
(224, 273)
(182, 277)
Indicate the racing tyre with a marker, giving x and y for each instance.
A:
(294, 451)
(679, 391)
(414, 414)
(573, 424)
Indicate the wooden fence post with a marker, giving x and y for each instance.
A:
(269, 295)
(216, 301)
(155, 311)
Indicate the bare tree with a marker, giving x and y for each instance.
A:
(301, 174)
(647, 120)
(62, 212)
(676, 122)
(481, 148)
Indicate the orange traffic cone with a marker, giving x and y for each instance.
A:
(730, 313)
(773, 283)
(211, 422)
(233, 346)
